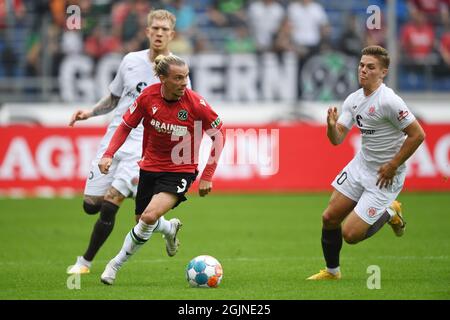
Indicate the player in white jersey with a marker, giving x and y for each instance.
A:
(105, 193)
(365, 190)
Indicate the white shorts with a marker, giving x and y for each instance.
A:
(358, 182)
(123, 175)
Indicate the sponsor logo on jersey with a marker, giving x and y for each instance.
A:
(131, 94)
(169, 128)
(202, 102)
(215, 123)
(402, 114)
(182, 115)
(367, 131)
(354, 107)
(372, 212)
(141, 86)
(134, 94)
(154, 109)
(372, 110)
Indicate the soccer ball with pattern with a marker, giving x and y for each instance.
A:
(204, 271)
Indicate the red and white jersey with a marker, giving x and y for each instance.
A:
(168, 144)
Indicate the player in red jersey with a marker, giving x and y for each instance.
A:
(174, 119)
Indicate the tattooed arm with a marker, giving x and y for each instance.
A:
(105, 105)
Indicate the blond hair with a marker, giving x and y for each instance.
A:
(163, 63)
(380, 53)
(161, 15)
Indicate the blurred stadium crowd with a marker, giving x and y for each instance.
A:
(34, 38)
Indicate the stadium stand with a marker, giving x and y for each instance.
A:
(34, 39)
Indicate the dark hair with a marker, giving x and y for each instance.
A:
(378, 52)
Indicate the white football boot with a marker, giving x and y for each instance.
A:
(172, 242)
(80, 267)
(109, 275)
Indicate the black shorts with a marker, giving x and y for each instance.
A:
(151, 183)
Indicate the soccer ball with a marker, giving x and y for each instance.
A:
(204, 271)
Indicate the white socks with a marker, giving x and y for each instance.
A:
(334, 270)
(164, 226)
(81, 260)
(133, 241)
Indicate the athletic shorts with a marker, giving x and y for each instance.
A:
(151, 183)
(123, 175)
(358, 182)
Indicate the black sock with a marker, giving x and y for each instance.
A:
(102, 229)
(331, 246)
(378, 224)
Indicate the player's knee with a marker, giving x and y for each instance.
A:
(91, 208)
(150, 216)
(351, 237)
(137, 217)
(329, 220)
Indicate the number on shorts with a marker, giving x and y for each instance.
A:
(342, 177)
(183, 186)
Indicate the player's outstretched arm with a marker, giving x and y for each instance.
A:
(205, 185)
(415, 136)
(105, 105)
(336, 132)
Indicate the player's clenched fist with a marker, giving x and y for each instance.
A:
(204, 187)
(104, 165)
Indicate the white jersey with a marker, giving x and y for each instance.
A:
(380, 117)
(134, 74)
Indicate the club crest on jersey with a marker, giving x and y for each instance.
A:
(372, 212)
(402, 115)
(133, 107)
(372, 110)
(182, 115)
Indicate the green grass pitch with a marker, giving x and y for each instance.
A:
(267, 244)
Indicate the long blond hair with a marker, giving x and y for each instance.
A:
(163, 63)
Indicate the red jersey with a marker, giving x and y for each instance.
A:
(168, 143)
(417, 40)
(445, 42)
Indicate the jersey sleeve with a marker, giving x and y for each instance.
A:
(135, 112)
(346, 117)
(398, 113)
(211, 122)
(117, 85)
